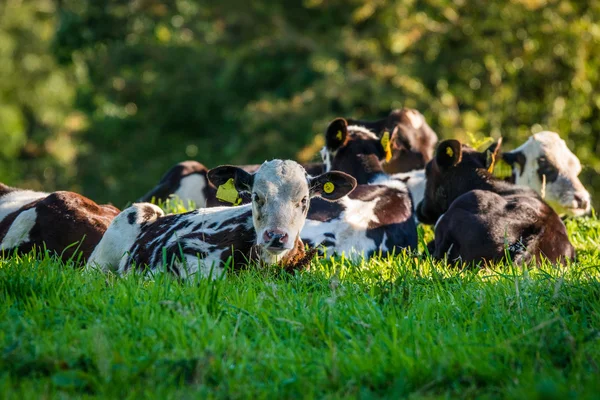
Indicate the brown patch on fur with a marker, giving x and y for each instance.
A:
(66, 223)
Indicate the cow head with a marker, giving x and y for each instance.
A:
(281, 192)
(413, 142)
(354, 150)
(455, 170)
(545, 164)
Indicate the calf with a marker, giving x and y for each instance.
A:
(545, 164)
(62, 222)
(378, 215)
(481, 218)
(201, 241)
(412, 144)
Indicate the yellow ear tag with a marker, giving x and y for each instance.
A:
(228, 193)
(449, 151)
(387, 146)
(339, 136)
(490, 160)
(502, 169)
(328, 187)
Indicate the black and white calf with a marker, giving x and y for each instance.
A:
(481, 218)
(545, 164)
(61, 222)
(361, 153)
(201, 241)
(378, 215)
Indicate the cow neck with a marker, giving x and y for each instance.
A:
(459, 183)
(368, 169)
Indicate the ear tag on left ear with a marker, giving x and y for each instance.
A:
(328, 187)
(387, 146)
(339, 135)
(490, 160)
(449, 151)
(228, 193)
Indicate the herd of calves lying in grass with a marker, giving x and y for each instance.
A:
(378, 179)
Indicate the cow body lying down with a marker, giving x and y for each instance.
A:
(61, 222)
(201, 241)
(481, 218)
(383, 205)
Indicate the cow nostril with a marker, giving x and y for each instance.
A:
(581, 201)
(267, 236)
(283, 238)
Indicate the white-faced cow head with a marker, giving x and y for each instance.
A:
(281, 192)
(545, 164)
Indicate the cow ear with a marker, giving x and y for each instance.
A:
(491, 154)
(514, 159)
(331, 185)
(232, 176)
(337, 133)
(449, 153)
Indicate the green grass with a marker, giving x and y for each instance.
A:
(404, 327)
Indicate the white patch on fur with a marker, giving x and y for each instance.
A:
(560, 194)
(415, 180)
(13, 201)
(18, 233)
(416, 118)
(191, 188)
(350, 229)
(111, 252)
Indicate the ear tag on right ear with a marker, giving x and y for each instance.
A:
(449, 151)
(339, 135)
(228, 193)
(387, 148)
(490, 160)
(328, 187)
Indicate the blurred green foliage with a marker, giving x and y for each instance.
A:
(104, 96)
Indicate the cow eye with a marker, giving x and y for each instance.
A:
(257, 199)
(548, 169)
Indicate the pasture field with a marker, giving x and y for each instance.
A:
(403, 327)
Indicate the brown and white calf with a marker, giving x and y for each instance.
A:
(61, 222)
(202, 241)
(412, 143)
(545, 164)
(481, 218)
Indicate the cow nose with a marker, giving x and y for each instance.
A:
(582, 201)
(275, 238)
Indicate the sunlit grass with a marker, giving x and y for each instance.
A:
(384, 328)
